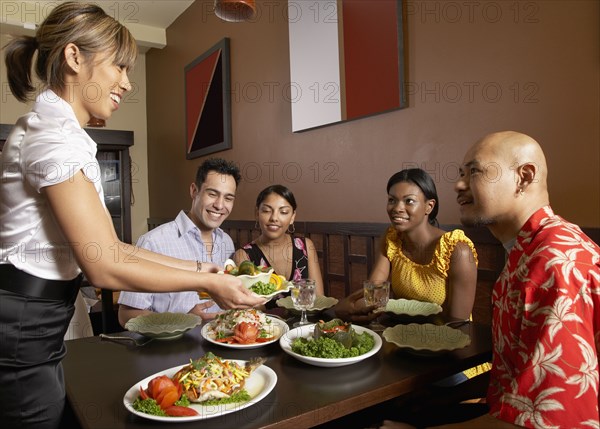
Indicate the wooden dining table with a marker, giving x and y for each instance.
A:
(98, 373)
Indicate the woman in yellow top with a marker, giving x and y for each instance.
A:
(422, 261)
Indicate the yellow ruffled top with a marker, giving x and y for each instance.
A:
(426, 282)
(423, 282)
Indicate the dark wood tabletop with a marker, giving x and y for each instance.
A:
(98, 373)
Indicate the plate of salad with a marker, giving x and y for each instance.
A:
(260, 280)
(200, 389)
(244, 329)
(276, 285)
(330, 344)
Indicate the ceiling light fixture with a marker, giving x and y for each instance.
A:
(235, 10)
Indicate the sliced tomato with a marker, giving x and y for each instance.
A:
(177, 411)
(336, 329)
(168, 397)
(150, 389)
(159, 384)
(143, 393)
(179, 388)
(163, 392)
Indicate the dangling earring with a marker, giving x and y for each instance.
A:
(256, 226)
(293, 228)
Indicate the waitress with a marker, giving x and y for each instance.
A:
(53, 221)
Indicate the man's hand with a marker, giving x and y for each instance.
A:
(200, 310)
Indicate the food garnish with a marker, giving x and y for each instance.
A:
(333, 340)
(245, 268)
(161, 396)
(277, 280)
(211, 377)
(178, 411)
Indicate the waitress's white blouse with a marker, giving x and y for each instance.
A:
(46, 146)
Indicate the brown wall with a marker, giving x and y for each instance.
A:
(472, 68)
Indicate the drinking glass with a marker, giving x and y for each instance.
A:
(303, 297)
(376, 294)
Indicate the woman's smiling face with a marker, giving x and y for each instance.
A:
(99, 88)
(407, 206)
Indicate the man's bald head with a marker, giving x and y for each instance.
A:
(516, 149)
(503, 181)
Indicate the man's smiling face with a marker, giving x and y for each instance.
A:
(213, 202)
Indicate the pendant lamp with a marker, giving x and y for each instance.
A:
(235, 10)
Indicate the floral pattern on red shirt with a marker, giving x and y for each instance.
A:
(546, 328)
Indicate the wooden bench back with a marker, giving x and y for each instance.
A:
(347, 252)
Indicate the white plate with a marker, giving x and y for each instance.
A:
(426, 337)
(412, 307)
(279, 327)
(163, 326)
(258, 385)
(307, 331)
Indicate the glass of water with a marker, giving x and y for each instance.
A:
(376, 294)
(303, 296)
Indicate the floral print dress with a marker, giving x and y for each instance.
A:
(299, 257)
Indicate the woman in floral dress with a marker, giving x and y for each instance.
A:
(293, 257)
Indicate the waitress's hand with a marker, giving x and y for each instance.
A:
(228, 292)
(353, 308)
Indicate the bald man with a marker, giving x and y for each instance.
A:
(546, 302)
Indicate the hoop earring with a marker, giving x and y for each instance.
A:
(293, 228)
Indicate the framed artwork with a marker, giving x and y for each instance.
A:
(208, 102)
(346, 60)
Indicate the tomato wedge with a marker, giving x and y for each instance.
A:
(158, 384)
(177, 411)
(179, 388)
(167, 397)
(143, 393)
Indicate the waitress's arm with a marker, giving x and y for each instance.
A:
(109, 263)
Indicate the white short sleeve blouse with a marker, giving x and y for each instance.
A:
(47, 146)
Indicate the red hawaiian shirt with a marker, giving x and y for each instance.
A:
(546, 328)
